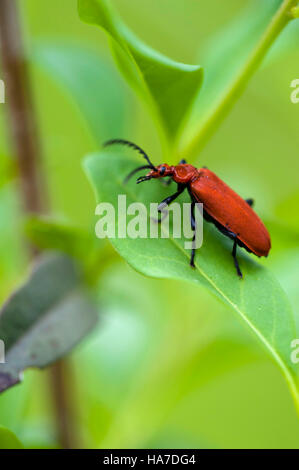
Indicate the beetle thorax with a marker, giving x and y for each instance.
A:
(184, 173)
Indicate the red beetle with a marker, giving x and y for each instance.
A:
(232, 215)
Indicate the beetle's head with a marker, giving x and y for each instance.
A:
(158, 172)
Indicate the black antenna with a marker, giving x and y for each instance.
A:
(133, 172)
(143, 178)
(133, 146)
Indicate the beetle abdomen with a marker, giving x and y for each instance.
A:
(231, 211)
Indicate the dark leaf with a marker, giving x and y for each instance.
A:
(44, 319)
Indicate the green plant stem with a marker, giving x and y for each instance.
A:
(277, 24)
(24, 135)
(295, 12)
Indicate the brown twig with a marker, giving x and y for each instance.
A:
(22, 127)
(24, 135)
(61, 377)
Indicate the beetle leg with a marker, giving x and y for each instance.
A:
(193, 223)
(193, 227)
(168, 200)
(234, 254)
(160, 217)
(166, 182)
(250, 202)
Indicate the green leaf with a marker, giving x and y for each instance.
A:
(44, 319)
(169, 87)
(96, 89)
(47, 233)
(53, 235)
(8, 440)
(230, 58)
(258, 299)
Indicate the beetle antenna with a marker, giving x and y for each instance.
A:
(143, 178)
(133, 146)
(132, 173)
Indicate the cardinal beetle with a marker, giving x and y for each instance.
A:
(232, 215)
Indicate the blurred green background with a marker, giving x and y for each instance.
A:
(168, 365)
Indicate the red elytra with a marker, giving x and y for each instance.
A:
(232, 215)
(228, 208)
